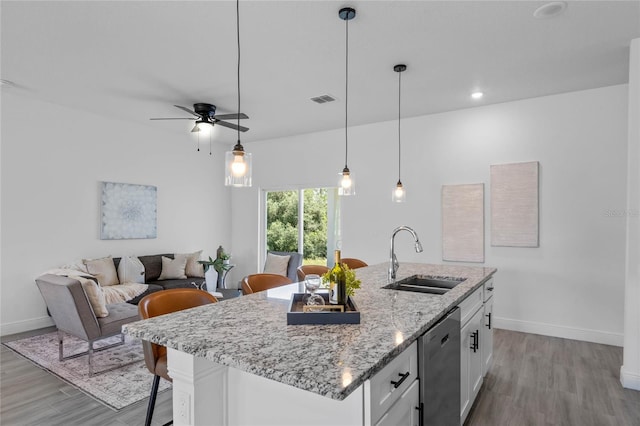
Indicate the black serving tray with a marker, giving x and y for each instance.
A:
(295, 315)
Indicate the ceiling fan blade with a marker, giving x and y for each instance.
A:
(231, 126)
(231, 116)
(187, 110)
(182, 118)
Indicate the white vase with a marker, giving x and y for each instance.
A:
(211, 277)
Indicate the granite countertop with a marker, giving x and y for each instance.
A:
(250, 333)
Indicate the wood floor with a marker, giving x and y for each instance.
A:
(539, 380)
(535, 380)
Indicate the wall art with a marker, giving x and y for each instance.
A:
(514, 204)
(128, 211)
(463, 222)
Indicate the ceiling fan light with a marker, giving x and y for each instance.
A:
(202, 126)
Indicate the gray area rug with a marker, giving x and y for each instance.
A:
(116, 389)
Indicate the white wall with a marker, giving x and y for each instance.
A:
(630, 371)
(53, 159)
(571, 286)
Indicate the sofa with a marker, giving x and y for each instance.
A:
(152, 272)
(153, 269)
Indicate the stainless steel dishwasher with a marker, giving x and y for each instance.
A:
(439, 372)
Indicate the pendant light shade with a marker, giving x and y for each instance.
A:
(237, 163)
(346, 185)
(237, 167)
(399, 193)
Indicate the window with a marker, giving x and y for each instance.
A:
(302, 220)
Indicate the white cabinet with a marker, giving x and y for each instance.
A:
(470, 362)
(486, 337)
(476, 344)
(405, 411)
(390, 387)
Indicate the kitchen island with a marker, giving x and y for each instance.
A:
(239, 362)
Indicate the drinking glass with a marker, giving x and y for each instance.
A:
(312, 283)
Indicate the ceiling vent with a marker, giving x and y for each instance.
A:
(323, 99)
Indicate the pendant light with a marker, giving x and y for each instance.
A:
(399, 193)
(238, 162)
(346, 186)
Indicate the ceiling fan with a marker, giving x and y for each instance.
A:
(205, 115)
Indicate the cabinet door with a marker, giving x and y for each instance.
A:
(405, 411)
(486, 337)
(470, 363)
(475, 367)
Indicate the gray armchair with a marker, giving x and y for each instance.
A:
(294, 261)
(72, 313)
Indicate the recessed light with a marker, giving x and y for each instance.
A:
(550, 10)
(477, 95)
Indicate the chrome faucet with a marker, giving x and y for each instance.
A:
(393, 261)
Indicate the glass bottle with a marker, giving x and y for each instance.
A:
(338, 282)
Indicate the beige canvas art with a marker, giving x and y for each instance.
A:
(463, 222)
(514, 205)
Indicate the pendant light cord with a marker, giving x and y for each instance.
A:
(399, 151)
(238, 38)
(346, 95)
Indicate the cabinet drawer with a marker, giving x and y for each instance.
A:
(470, 305)
(405, 412)
(381, 393)
(488, 289)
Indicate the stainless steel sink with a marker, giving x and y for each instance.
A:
(425, 284)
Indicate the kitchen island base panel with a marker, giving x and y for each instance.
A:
(227, 396)
(199, 390)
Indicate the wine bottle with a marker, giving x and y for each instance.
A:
(338, 282)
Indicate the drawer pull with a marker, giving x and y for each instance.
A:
(474, 341)
(403, 377)
(489, 324)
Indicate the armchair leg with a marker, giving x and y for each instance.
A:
(90, 359)
(89, 352)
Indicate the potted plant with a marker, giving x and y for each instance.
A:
(352, 282)
(220, 264)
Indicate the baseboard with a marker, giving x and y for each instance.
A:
(629, 380)
(573, 333)
(27, 325)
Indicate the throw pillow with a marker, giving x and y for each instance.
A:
(96, 297)
(193, 268)
(173, 269)
(276, 264)
(131, 270)
(103, 269)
